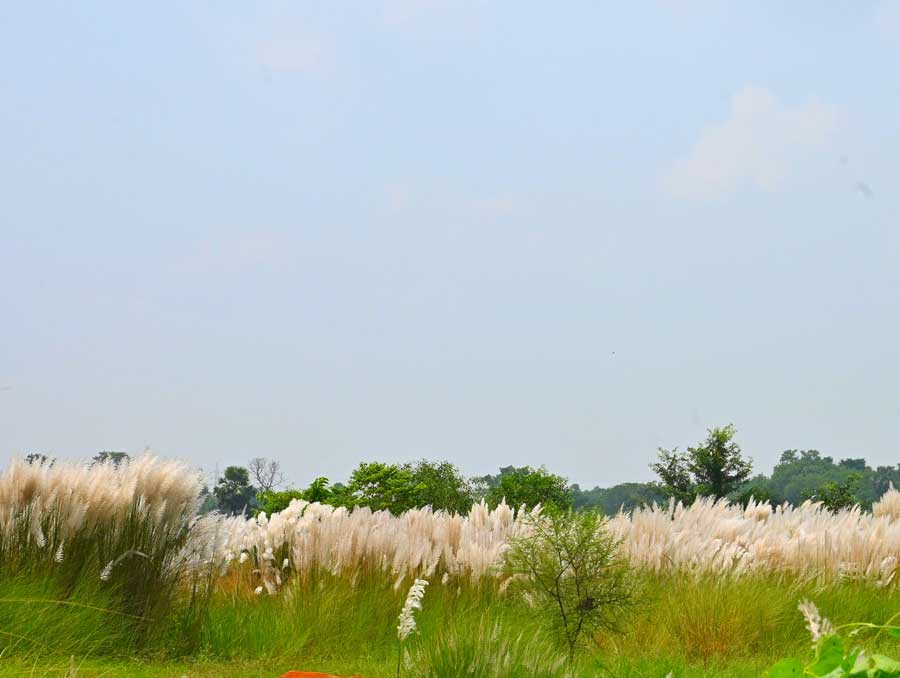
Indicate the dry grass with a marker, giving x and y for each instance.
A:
(106, 519)
(708, 537)
(305, 538)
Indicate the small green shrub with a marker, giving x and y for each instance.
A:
(569, 567)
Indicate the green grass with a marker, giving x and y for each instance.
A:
(704, 627)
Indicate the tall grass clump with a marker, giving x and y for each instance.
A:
(487, 649)
(713, 536)
(113, 534)
(309, 537)
(708, 536)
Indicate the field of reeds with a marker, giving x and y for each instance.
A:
(107, 570)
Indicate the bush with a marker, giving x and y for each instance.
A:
(569, 566)
(271, 502)
(526, 486)
(117, 531)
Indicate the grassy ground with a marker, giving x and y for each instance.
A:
(707, 627)
(60, 668)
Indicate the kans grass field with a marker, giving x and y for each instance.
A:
(107, 571)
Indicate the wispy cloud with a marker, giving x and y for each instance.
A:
(763, 144)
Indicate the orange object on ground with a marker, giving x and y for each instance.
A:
(311, 674)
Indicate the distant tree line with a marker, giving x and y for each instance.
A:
(393, 487)
(715, 467)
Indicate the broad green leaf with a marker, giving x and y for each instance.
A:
(839, 672)
(786, 668)
(881, 666)
(850, 660)
(894, 632)
(829, 656)
(860, 666)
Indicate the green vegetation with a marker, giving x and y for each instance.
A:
(569, 566)
(526, 486)
(114, 458)
(833, 656)
(716, 466)
(691, 627)
(400, 487)
(114, 579)
(233, 492)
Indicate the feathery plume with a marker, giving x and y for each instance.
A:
(413, 602)
(818, 625)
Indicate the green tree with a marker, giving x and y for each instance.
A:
(527, 486)
(881, 479)
(756, 488)
(233, 492)
(440, 485)
(272, 501)
(717, 465)
(858, 465)
(836, 496)
(318, 491)
(623, 497)
(115, 458)
(382, 486)
(800, 473)
(715, 468)
(675, 476)
(39, 458)
(208, 501)
(400, 487)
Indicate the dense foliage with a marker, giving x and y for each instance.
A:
(526, 486)
(569, 563)
(108, 560)
(233, 492)
(715, 467)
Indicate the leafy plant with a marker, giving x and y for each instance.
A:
(570, 567)
(526, 486)
(715, 467)
(833, 657)
(234, 492)
(836, 496)
(400, 487)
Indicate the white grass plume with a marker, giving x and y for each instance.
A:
(818, 626)
(407, 625)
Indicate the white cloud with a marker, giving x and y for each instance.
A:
(763, 144)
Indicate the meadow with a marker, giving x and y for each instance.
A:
(106, 570)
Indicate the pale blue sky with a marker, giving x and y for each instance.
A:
(491, 232)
